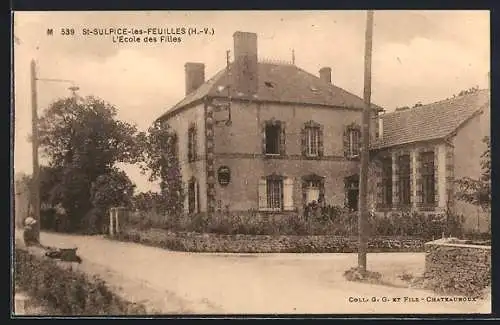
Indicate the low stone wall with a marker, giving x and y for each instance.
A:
(454, 267)
(217, 243)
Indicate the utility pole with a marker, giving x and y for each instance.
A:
(35, 186)
(365, 135)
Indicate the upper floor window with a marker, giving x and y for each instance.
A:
(312, 139)
(192, 143)
(428, 181)
(274, 137)
(352, 141)
(173, 145)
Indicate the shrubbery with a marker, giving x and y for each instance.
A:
(322, 221)
(66, 291)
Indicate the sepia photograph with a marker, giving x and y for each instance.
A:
(250, 163)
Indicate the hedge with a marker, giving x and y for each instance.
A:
(217, 243)
(67, 291)
(329, 220)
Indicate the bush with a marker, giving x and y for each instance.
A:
(67, 291)
(329, 220)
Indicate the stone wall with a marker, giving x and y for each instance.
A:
(216, 243)
(455, 267)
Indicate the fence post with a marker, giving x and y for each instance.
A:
(111, 221)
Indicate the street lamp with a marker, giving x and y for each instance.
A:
(36, 204)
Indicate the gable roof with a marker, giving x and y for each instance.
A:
(284, 83)
(432, 121)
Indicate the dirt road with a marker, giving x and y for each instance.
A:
(178, 282)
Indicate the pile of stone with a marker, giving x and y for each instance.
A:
(453, 267)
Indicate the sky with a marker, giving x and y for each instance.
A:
(418, 56)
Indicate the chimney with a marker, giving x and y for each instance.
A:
(246, 79)
(195, 76)
(325, 74)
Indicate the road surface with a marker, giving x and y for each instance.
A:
(211, 283)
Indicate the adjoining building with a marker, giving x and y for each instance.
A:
(421, 151)
(271, 137)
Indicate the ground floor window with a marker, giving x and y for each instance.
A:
(193, 194)
(312, 191)
(428, 181)
(404, 180)
(386, 183)
(276, 193)
(352, 192)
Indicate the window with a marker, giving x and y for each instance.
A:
(173, 145)
(192, 143)
(312, 141)
(312, 191)
(387, 182)
(428, 186)
(193, 195)
(352, 137)
(276, 193)
(352, 192)
(273, 138)
(404, 179)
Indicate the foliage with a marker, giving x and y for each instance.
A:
(149, 202)
(109, 190)
(478, 191)
(160, 159)
(82, 141)
(329, 220)
(66, 291)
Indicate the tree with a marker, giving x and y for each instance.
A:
(149, 201)
(109, 190)
(161, 161)
(82, 141)
(478, 191)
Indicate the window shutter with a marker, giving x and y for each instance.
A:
(195, 143)
(263, 134)
(282, 139)
(190, 145)
(346, 142)
(288, 194)
(197, 191)
(320, 141)
(262, 193)
(303, 140)
(360, 140)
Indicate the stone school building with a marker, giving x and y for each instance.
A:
(271, 137)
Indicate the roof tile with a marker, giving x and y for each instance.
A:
(432, 121)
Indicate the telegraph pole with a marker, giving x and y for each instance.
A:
(365, 135)
(35, 186)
